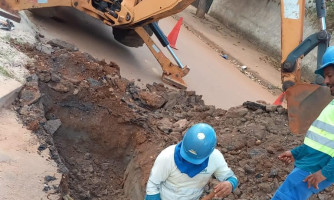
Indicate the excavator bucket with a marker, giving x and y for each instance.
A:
(305, 102)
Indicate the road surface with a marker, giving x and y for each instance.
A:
(219, 81)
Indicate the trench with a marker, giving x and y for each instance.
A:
(96, 148)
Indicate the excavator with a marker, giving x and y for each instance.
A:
(137, 20)
(133, 22)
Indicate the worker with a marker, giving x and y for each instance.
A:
(313, 160)
(181, 171)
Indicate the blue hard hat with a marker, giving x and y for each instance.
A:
(198, 143)
(327, 59)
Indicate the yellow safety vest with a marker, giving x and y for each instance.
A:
(320, 135)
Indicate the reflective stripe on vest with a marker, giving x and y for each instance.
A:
(320, 135)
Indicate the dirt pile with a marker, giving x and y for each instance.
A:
(105, 132)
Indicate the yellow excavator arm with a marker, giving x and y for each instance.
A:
(128, 13)
(304, 101)
(127, 17)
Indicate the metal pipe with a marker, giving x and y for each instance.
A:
(323, 23)
(175, 57)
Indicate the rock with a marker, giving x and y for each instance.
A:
(172, 99)
(44, 48)
(32, 81)
(254, 106)
(273, 173)
(59, 87)
(29, 95)
(281, 110)
(33, 125)
(265, 187)
(232, 141)
(46, 188)
(271, 108)
(271, 149)
(257, 152)
(44, 76)
(121, 83)
(55, 77)
(73, 80)
(87, 156)
(180, 125)
(49, 178)
(94, 83)
(165, 125)
(105, 166)
(248, 169)
(324, 196)
(151, 100)
(24, 110)
(52, 126)
(76, 91)
(62, 45)
(90, 168)
(42, 147)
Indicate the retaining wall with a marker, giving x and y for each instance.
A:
(260, 22)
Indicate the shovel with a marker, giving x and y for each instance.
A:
(305, 102)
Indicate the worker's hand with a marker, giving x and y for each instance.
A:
(223, 189)
(314, 179)
(286, 157)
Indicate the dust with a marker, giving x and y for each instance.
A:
(104, 132)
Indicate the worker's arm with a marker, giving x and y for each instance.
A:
(328, 170)
(228, 181)
(325, 173)
(297, 152)
(159, 173)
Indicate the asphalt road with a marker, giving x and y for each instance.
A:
(220, 83)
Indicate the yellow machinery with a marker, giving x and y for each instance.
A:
(127, 17)
(304, 101)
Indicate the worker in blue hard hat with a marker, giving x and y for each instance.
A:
(313, 160)
(180, 172)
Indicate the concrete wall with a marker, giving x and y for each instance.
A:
(259, 21)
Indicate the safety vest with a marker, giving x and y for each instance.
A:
(320, 135)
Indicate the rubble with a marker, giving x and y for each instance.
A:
(105, 132)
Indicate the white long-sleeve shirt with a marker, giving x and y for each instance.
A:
(166, 178)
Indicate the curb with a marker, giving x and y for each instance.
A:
(9, 90)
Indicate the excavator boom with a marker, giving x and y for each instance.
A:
(304, 101)
(123, 16)
(125, 13)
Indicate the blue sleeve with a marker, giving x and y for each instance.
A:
(297, 152)
(152, 197)
(328, 170)
(233, 181)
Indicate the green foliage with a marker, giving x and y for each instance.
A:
(5, 73)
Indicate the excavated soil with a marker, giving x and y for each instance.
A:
(105, 132)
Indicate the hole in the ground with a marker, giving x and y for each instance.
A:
(97, 147)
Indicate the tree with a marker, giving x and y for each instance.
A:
(201, 8)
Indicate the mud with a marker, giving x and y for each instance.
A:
(104, 132)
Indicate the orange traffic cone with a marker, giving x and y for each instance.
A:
(279, 99)
(172, 37)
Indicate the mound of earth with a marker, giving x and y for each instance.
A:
(105, 132)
